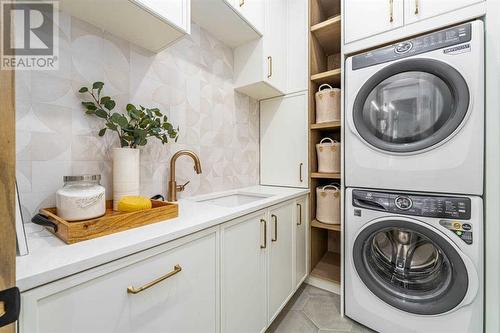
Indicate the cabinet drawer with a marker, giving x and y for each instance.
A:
(98, 300)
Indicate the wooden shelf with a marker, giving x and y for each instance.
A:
(328, 268)
(326, 126)
(317, 224)
(325, 175)
(328, 34)
(332, 77)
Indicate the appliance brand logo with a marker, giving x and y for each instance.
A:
(457, 49)
(403, 47)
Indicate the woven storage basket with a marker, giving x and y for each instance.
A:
(327, 104)
(328, 154)
(328, 204)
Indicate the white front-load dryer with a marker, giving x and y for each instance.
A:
(415, 113)
(414, 262)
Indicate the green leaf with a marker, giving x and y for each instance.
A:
(83, 90)
(102, 132)
(119, 119)
(110, 105)
(98, 85)
(101, 113)
(123, 142)
(111, 126)
(134, 114)
(131, 107)
(157, 112)
(104, 99)
(91, 107)
(88, 104)
(90, 112)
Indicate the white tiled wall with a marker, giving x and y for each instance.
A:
(190, 81)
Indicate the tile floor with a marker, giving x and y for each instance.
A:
(313, 310)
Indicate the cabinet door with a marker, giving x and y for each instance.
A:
(253, 12)
(367, 18)
(297, 45)
(283, 138)
(301, 227)
(275, 44)
(243, 280)
(99, 301)
(175, 11)
(416, 10)
(281, 277)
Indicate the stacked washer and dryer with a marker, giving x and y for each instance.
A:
(414, 178)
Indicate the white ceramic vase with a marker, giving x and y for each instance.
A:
(126, 173)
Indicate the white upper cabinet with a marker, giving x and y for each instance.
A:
(416, 10)
(252, 11)
(229, 22)
(260, 66)
(174, 11)
(283, 141)
(366, 18)
(151, 24)
(297, 45)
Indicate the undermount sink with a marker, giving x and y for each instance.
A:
(235, 199)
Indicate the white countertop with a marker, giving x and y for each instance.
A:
(51, 259)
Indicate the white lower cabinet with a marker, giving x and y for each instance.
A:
(243, 274)
(281, 275)
(235, 277)
(301, 244)
(97, 301)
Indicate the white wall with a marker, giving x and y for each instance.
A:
(492, 195)
(191, 81)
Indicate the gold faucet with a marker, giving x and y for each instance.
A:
(173, 188)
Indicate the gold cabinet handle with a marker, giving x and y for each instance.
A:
(300, 172)
(416, 7)
(300, 214)
(270, 67)
(391, 11)
(242, 2)
(265, 234)
(275, 228)
(133, 290)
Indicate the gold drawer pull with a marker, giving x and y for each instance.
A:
(300, 214)
(133, 290)
(270, 69)
(275, 218)
(265, 234)
(391, 11)
(242, 2)
(416, 7)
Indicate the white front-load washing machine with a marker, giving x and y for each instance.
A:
(414, 262)
(415, 113)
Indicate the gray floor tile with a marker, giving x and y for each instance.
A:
(293, 322)
(324, 312)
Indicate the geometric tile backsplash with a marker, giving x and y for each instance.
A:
(191, 82)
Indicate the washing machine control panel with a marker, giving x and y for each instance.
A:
(444, 207)
(437, 40)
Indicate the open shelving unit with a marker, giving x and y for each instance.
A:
(324, 67)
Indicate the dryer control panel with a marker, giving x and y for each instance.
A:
(430, 42)
(445, 207)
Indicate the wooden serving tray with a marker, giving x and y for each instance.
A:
(110, 222)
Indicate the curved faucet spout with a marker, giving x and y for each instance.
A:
(173, 188)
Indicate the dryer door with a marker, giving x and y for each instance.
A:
(410, 266)
(411, 105)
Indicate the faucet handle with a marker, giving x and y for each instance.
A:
(181, 188)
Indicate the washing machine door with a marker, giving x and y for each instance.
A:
(411, 105)
(410, 266)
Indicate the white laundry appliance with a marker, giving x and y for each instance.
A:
(414, 262)
(415, 114)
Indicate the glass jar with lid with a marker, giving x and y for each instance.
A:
(81, 198)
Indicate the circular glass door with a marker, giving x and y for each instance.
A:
(410, 267)
(411, 105)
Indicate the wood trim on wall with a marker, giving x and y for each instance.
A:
(7, 185)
